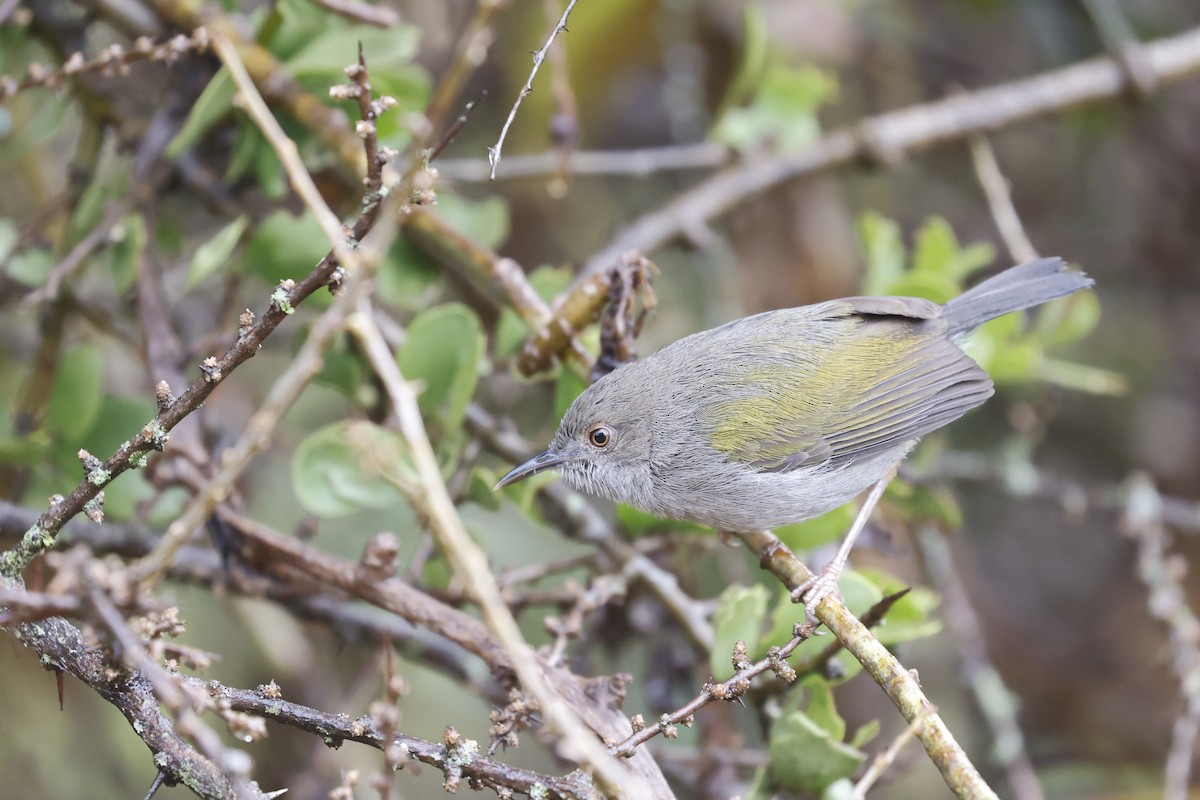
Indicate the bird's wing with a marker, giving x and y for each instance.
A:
(846, 380)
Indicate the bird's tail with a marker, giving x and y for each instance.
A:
(1022, 286)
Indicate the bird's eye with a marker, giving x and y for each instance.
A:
(599, 436)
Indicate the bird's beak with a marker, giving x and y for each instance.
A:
(547, 459)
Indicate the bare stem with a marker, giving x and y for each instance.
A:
(538, 58)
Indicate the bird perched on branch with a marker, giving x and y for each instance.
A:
(779, 417)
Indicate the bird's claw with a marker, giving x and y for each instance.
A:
(817, 588)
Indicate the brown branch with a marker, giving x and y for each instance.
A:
(167, 691)
(113, 60)
(900, 685)
(292, 589)
(538, 57)
(889, 136)
(456, 757)
(62, 647)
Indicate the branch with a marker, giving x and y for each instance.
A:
(995, 703)
(999, 200)
(1166, 601)
(457, 758)
(898, 683)
(113, 60)
(730, 689)
(888, 137)
(61, 646)
(538, 58)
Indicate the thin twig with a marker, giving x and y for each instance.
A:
(885, 759)
(453, 753)
(538, 58)
(286, 150)
(999, 199)
(994, 701)
(165, 688)
(112, 60)
(1166, 601)
(67, 270)
(728, 690)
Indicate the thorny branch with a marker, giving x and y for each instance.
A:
(538, 58)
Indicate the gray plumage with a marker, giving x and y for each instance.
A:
(781, 416)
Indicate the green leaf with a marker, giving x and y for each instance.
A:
(741, 611)
(486, 222)
(342, 370)
(444, 349)
(341, 468)
(804, 758)
(9, 236)
(865, 733)
(1068, 319)
(407, 277)
(885, 252)
(126, 257)
(331, 51)
(30, 267)
(481, 492)
(760, 787)
(935, 247)
(269, 171)
(636, 522)
(822, 710)
(937, 252)
(213, 103)
(910, 617)
(859, 593)
(783, 110)
(285, 246)
(215, 253)
(935, 503)
(828, 527)
(76, 397)
(754, 50)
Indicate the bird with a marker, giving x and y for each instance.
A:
(779, 417)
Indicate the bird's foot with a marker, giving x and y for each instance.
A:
(817, 588)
